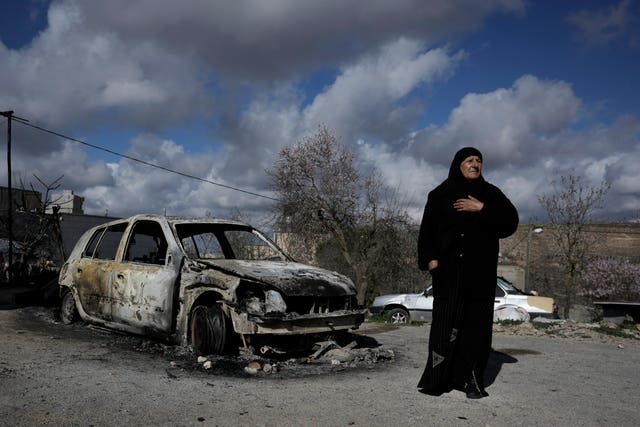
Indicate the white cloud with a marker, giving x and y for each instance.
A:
(261, 40)
(71, 74)
(508, 125)
(364, 99)
(152, 66)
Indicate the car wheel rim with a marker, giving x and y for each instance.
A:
(398, 318)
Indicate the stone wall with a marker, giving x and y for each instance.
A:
(610, 239)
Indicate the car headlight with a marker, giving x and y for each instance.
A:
(274, 303)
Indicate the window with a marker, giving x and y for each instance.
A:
(249, 246)
(508, 287)
(91, 247)
(108, 245)
(203, 245)
(147, 244)
(220, 241)
(499, 292)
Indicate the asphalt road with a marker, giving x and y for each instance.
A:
(53, 374)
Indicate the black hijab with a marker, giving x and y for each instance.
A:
(455, 174)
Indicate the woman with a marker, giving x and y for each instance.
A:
(458, 244)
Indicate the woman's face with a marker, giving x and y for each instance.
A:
(471, 167)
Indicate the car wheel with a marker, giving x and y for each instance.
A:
(68, 310)
(209, 330)
(398, 316)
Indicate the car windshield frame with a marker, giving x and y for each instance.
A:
(508, 287)
(227, 241)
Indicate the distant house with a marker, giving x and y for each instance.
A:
(66, 203)
(25, 200)
(25, 205)
(73, 221)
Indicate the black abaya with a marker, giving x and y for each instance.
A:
(466, 247)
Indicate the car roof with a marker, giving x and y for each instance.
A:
(175, 220)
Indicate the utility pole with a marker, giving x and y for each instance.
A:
(9, 115)
(532, 229)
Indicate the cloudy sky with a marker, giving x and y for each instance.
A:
(214, 89)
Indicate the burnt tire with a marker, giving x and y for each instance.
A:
(68, 309)
(398, 316)
(210, 330)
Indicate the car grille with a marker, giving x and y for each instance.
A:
(319, 305)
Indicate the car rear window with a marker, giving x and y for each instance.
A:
(93, 243)
(104, 243)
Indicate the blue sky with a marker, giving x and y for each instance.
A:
(214, 89)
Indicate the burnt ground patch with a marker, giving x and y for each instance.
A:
(326, 358)
(343, 353)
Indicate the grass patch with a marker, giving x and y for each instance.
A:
(377, 318)
(548, 328)
(620, 331)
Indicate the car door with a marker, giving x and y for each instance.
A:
(144, 282)
(425, 301)
(93, 272)
(423, 310)
(501, 297)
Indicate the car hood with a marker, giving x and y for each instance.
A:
(290, 278)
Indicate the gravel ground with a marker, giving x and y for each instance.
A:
(54, 374)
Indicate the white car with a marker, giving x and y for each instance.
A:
(510, 304)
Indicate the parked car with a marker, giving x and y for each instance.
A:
(404, 308)
(205, 282)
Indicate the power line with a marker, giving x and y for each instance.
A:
(97, 147)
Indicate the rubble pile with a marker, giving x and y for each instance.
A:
(605, 331)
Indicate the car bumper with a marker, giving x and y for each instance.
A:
(297, 325)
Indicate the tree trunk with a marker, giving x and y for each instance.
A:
(361, 283)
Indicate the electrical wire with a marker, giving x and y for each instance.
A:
(115, 153)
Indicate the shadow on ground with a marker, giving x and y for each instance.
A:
(496, 360)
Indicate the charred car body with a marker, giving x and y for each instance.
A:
(200, 281)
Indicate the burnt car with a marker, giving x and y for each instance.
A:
(209, 283)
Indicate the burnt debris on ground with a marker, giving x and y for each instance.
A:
(329, 356)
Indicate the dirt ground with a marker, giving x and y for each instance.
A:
(55, 374)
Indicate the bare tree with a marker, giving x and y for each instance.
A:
(569, 208)
(38, 233)
(323, 193)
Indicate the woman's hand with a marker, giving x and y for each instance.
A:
(470, 204)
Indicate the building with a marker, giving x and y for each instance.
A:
(22, 200)
(66, 203)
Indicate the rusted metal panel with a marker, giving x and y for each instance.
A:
(143, 296)
(289, 277)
